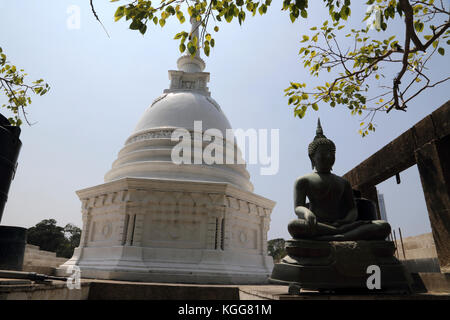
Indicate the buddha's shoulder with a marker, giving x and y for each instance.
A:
(341, 179)
(313, 176)
(303, 180)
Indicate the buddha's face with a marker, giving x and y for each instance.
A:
(323, 158)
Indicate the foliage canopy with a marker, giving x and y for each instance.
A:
(425, 27)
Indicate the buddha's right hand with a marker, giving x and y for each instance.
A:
(310, 218)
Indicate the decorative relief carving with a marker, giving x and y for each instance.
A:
(107, 229)
(159, 134)
(187, 84)
(201, 199)
(253, 209)
(243, 237)
(174, 230)
(110, 198)
(217, 198)
(243, 206)
(178, 219)
(173, 202)
(90, 203)
(121, 195)
(233, 203)
(261, 212)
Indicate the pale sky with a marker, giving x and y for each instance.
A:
(100, 87)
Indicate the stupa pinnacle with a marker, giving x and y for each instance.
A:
(187, 63)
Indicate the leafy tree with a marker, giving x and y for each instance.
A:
(425, 27)
(276, 249)
(50, 237)
(12, 83)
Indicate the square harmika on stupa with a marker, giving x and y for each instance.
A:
(154, 220)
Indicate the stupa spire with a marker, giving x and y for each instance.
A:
(187, 63)
(195, 26)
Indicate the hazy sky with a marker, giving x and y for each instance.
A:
(100, 87)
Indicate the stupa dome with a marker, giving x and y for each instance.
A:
(180, 110)
(148, 151)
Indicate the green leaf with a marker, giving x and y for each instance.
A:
(119, 13)
(292, 17)
(180, 16)
(206, 50)
(191, 48)
(182, 47)
(143, 29)
(135, 25)
(441, 51)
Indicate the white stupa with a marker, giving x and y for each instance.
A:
(154, 220)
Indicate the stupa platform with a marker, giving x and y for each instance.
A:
(158, 230)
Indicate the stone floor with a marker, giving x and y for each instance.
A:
(13, 289)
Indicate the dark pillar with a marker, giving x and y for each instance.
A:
(433, 162)
(370, 192)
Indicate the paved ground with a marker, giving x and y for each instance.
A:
(111, 290)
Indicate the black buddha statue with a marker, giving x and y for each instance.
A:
(332, 213)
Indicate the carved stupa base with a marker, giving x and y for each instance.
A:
(323, 265)
(157, 230)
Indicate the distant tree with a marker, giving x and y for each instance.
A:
(276, 249)
(46, 234)
(72, 240)
(50, 237)
(73, 234)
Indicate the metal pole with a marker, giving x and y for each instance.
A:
(401, 240)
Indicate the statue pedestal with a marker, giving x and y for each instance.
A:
(322, 265)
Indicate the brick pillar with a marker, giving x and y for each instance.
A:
(433, 162)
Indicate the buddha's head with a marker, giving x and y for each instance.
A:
(321, 151)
